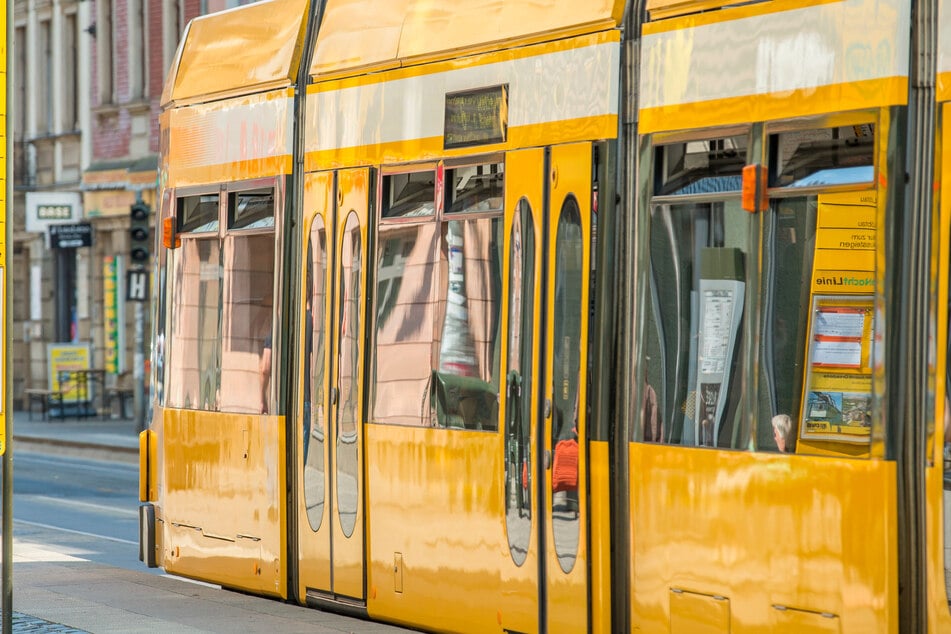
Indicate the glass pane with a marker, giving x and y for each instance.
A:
(788, 253)
(566, 375)
(314, 364)
(824, 156)
(348, 408)
(476, 188)
(251, 210)
(248, 317)
(701, 167)
(194, 358)
(694, 331)
(518, 442)
(405, 310)
(409, 195)
(198, 214)
(466, 382)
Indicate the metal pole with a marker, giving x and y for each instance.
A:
(7, 329)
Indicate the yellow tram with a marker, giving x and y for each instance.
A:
(560, 316)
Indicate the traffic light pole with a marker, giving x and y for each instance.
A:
(139, 234)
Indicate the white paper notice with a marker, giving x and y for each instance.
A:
(838, 353)
(840, 323)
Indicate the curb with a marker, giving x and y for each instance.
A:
(43, 444)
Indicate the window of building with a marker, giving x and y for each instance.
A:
(70, 73)
(19, 112)
(436, 356)
(105, 53)
(44, 88)
(137, 50)
(172, 27)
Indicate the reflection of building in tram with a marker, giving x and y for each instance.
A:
(437, 323)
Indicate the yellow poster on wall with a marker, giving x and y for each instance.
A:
(64, 358)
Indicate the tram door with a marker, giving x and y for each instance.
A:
(548, 247)
(330, 498)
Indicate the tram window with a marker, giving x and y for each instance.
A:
(476, 188)
(247, 333)
(251, 209)
(701, 167)
(198, 214)
(823, 157)
(788, 254)
(466, 378)
(519, 384)
(409, 195)
(695, 324)
(194, 350)
(407, 259)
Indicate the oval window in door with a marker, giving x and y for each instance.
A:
(314, 363)
(566, 375)
(348, 408)
(518, 414)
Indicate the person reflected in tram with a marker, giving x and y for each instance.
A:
(264, 363)
(650, 417)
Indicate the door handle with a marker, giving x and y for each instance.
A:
(546, 409)
(334, 395)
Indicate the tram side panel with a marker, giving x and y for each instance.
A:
(219, 452)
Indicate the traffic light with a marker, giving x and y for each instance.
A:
(139, 233)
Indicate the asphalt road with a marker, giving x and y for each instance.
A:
(77, 508)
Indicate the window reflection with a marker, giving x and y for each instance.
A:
(247, 337)
(694, 324)
(350, 309)
(519, 389)
(405, 299)
(467, 348)
(194, 362)
(438, 297)
(314, 364)
(566, 375)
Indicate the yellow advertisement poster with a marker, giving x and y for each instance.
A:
(64, 358)
(845, 243)
(110, 322)
(838, 392)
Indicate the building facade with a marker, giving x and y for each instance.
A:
(88, 78)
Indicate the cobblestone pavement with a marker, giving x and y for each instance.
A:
(30, 624)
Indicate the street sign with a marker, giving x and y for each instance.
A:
(70, 236)
(137, 286)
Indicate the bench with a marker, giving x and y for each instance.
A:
(122, 396)
(45, 399)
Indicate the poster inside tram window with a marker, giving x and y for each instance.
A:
(838, 393)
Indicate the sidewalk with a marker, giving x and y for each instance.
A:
(117, 439)
(62, 594)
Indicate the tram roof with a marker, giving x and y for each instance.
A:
(257, 46)
(243, 50)
(363, 34)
